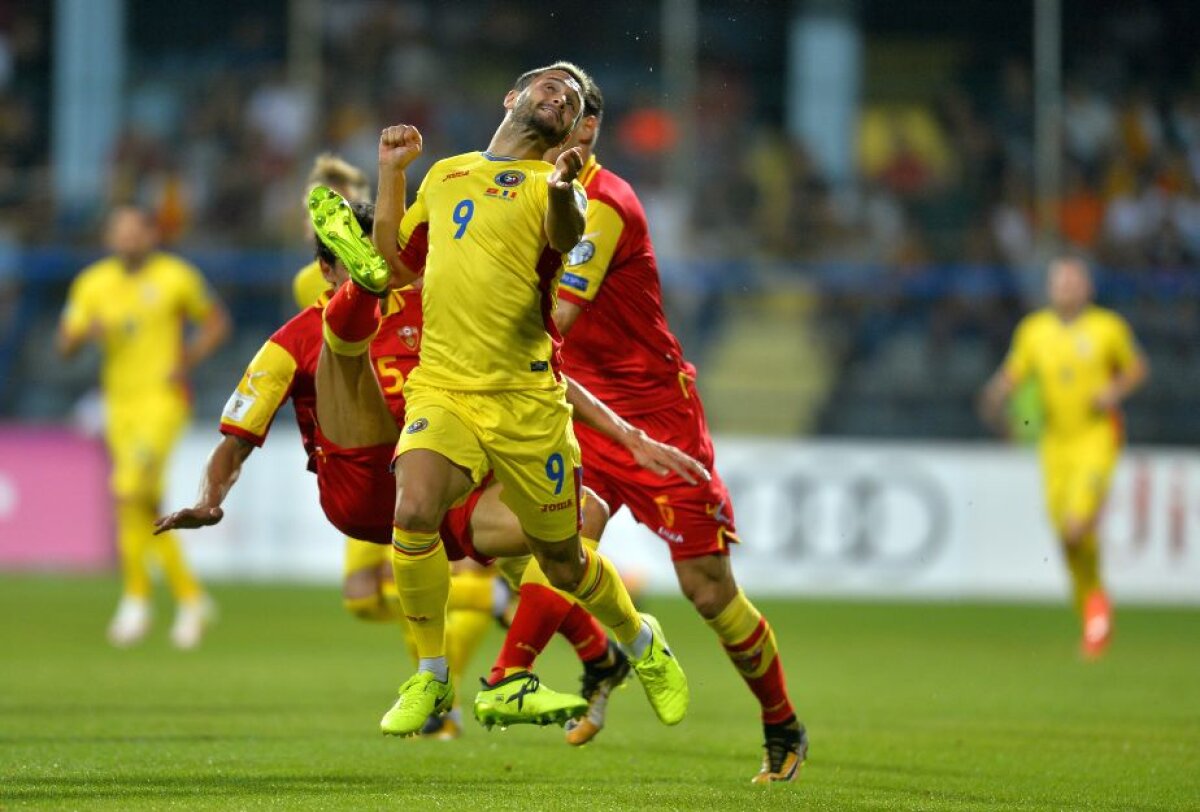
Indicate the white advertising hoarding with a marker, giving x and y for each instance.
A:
(816, 518)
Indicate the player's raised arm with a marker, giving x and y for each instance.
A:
(399, 146)
(223, 469)
(649, 453)
(566, 214)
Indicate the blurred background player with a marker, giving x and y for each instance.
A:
(136, 304)
(1086, 363)
(611, 289)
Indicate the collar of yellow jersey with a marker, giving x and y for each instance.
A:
(589, 170)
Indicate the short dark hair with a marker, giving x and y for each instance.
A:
(364, 213)
(593, 100)
(570, 68)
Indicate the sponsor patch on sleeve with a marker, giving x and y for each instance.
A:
(237, 407)
(574, 280)
(581, 253)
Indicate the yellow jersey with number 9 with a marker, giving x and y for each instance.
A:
(477, 232)
(1073, 362)
(141, 316)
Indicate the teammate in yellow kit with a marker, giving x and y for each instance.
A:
(1086, 362)
(135, 304)
(488, 230)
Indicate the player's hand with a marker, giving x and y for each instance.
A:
(664, 459)
(399, 146)
(189, 519)
(566, 169)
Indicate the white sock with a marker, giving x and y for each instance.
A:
(436, 666)
(642, 642)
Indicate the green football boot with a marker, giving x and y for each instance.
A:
(662, 677)
(337, 227)
(521, 699)
(420, 696)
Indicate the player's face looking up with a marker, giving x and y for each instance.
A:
(1070, 286)
(130, 234)
(549, 106)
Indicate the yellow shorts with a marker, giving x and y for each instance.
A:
(365, 555)
(1077, 474)
(524, 437)
(140, 438)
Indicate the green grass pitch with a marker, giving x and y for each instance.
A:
(909, 706)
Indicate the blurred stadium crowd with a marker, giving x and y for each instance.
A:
(905, 282)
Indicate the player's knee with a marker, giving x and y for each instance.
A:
(1074, 532)
(368, 607)
(595, 516)
(417, 513)
(709, 585)
(564, 574)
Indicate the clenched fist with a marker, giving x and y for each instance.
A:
(399, 145)
(566, 169)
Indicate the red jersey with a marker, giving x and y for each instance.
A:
(286, 367)
(620, 347)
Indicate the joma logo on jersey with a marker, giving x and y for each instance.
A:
(462, 173)
(554, 507)
(510, 178)
(500, 194)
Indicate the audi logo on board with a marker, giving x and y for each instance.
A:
(891, 517)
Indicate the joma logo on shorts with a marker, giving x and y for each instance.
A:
(557, 506)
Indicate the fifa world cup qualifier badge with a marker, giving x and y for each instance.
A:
(420, 424)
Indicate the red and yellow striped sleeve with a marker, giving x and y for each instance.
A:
(588, 261)
(264, 387)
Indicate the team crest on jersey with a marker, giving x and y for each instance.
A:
(411, 336)
(581, 253)
(510, 178)
(420, 424)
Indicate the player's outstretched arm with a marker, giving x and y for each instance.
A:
(224, 467)
(652, 455)
(399, 146)
(566, 214)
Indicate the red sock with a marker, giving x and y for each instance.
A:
(585, 633)
(757, 659)
(351, 314)
(539, 614)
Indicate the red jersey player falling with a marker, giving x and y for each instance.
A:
(618, 345)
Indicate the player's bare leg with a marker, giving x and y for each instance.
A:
(427, 485)
(749, 642)
(1081, 549)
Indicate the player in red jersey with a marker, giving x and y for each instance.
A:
(619, 346)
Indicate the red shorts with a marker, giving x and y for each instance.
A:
(358, 496)
(695, 520)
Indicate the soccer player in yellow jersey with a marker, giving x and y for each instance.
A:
(135, 304)
(1086, 362)
(487, 231)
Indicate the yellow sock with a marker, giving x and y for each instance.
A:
(471, 591)
(735, 626)
(183, 584)
(133, 540)
(602, 593)
(1083, 562)
(466, 631)
(422, 574)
